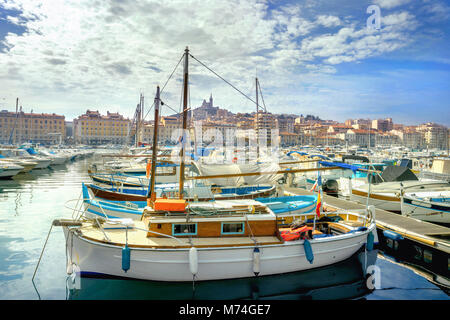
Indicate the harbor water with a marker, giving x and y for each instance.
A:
(30, 202)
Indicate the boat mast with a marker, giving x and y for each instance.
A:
(185, 107)
(151, 194)
(257, 120)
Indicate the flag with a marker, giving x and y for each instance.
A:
(319, 200)
(319, 203)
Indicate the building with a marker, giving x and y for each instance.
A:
(94, 128)
(410, 137)
(266, 125)
(219, 132)
(300, 120)
(32, 127)
(387, 139)
(286, 123)
(69, 132)
(290, 139)
(383, 125)
(436, 136)
(360, 137)
(338, 128)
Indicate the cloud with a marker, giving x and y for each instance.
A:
(99, 50)
(55, 61)
(389, 4)
(328, 21)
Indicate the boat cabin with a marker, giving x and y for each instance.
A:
(206, 220)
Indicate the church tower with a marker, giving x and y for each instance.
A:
(211, 101)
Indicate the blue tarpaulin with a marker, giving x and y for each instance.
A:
(31, 151)
(339, 164)
(298, 152)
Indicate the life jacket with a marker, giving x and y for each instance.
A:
(290, 234)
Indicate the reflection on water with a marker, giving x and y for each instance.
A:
(341, 281)
(30, 202)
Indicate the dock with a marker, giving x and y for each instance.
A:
(422, 243)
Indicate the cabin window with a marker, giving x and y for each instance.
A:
(184, 229)
(232, 228)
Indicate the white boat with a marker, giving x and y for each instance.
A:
(42, 162)
(432, 206)
(386, 195)
(57, 159)
(9, 170)
(226, 245)
(8, 155)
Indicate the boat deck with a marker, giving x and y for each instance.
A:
(424, 232)
(138, 238)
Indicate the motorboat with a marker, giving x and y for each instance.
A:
(42, 162)
(431, 206)
(7, 155)
(386, 195)
(9, 170)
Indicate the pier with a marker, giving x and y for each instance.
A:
(417, 242)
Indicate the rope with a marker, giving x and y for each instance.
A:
(167, 81)
(42, 252)
(223, 79)
(251, 231)
(262, 98)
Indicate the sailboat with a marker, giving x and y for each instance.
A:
(176, 240)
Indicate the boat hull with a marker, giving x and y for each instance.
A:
(426, 210)
(120, 196)
(383, 202)
(9, 173)
(42, 164)
(95, 258)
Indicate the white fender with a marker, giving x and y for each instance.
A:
(256, 261)
(193, 260)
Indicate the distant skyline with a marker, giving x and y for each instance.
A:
(311, 57)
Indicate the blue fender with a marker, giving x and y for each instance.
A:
(125, 258)
(308, 251)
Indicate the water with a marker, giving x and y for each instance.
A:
(30, 202)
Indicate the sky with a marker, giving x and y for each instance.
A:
(315, 57)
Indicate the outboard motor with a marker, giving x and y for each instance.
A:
(331, 187)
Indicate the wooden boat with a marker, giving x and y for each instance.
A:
(209, 241)
(432, 206)
(204, 193)
(286, 208)
(166, 172)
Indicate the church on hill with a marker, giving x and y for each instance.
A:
(208, 110)
(209, 104)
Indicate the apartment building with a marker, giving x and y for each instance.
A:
(436, 136)
(94, 128)
(32, 127)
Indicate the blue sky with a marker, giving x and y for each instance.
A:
(311, 57)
